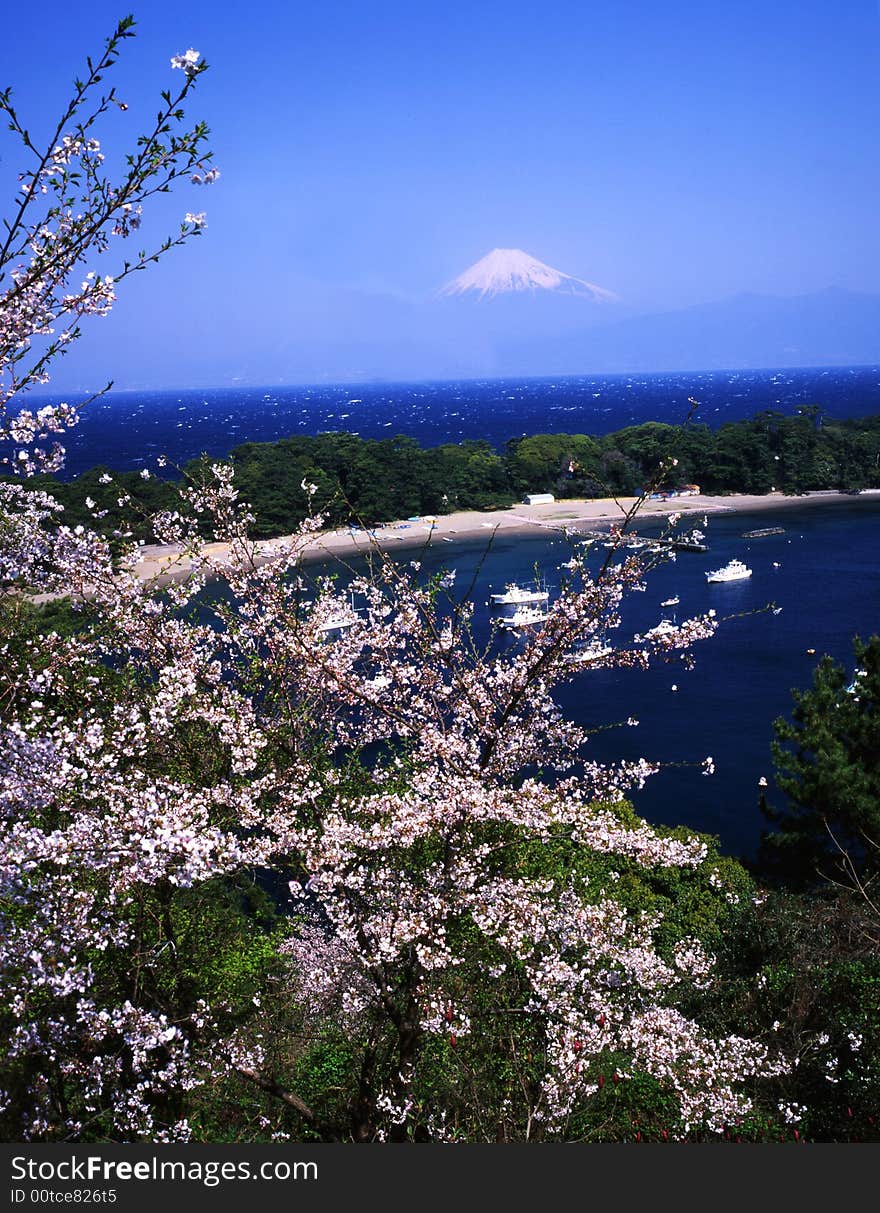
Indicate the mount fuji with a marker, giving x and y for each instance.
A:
(507, 271)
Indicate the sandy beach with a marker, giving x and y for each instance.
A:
(164, 563)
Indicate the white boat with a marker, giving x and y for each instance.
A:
(664, 628)
(670, 601)
(516, 595)
(594, 651)
(339, 620)
(338, 623)
(734, 570)
(524, 617)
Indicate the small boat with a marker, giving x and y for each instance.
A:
(338, 623)
(516, 595)
(762, 531)
(671, 601)
(734, 570)
(342, 616)
(594, 651)
(664, 628)
(524, 617)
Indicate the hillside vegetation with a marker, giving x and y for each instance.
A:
(370, 481)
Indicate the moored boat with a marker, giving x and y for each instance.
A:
(337, 623)
(734, 570)
(516, 595)
(664, 628)
(595, 650)
(762, 531)
(524, 617)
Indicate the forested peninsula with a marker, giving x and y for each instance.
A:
(369, 480)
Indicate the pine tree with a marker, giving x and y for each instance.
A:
(827, 761)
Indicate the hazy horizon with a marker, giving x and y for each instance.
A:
(49, 393)
(503, 338)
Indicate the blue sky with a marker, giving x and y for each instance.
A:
(674, 153)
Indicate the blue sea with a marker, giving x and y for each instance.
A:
(827, 582)
(126, 430)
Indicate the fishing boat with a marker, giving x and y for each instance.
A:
(337, 623)
(595, 650)
(734, 570)
(664, 628)
(340, 619)
(517, 595)
(524, 617)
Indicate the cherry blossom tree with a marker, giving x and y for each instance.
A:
(68, 211)
(448, 864)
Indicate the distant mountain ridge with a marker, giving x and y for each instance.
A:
(533, 335)
(328, 334)
(832, 327)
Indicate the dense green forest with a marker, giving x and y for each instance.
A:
(370, 480)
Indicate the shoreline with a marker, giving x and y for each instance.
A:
(167, 563)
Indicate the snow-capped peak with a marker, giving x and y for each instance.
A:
(506, 270)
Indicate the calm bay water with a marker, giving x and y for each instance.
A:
(828, 586)
(827, 582)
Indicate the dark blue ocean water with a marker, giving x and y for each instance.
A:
(828, 586)
(828, 582)
(127, 429)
